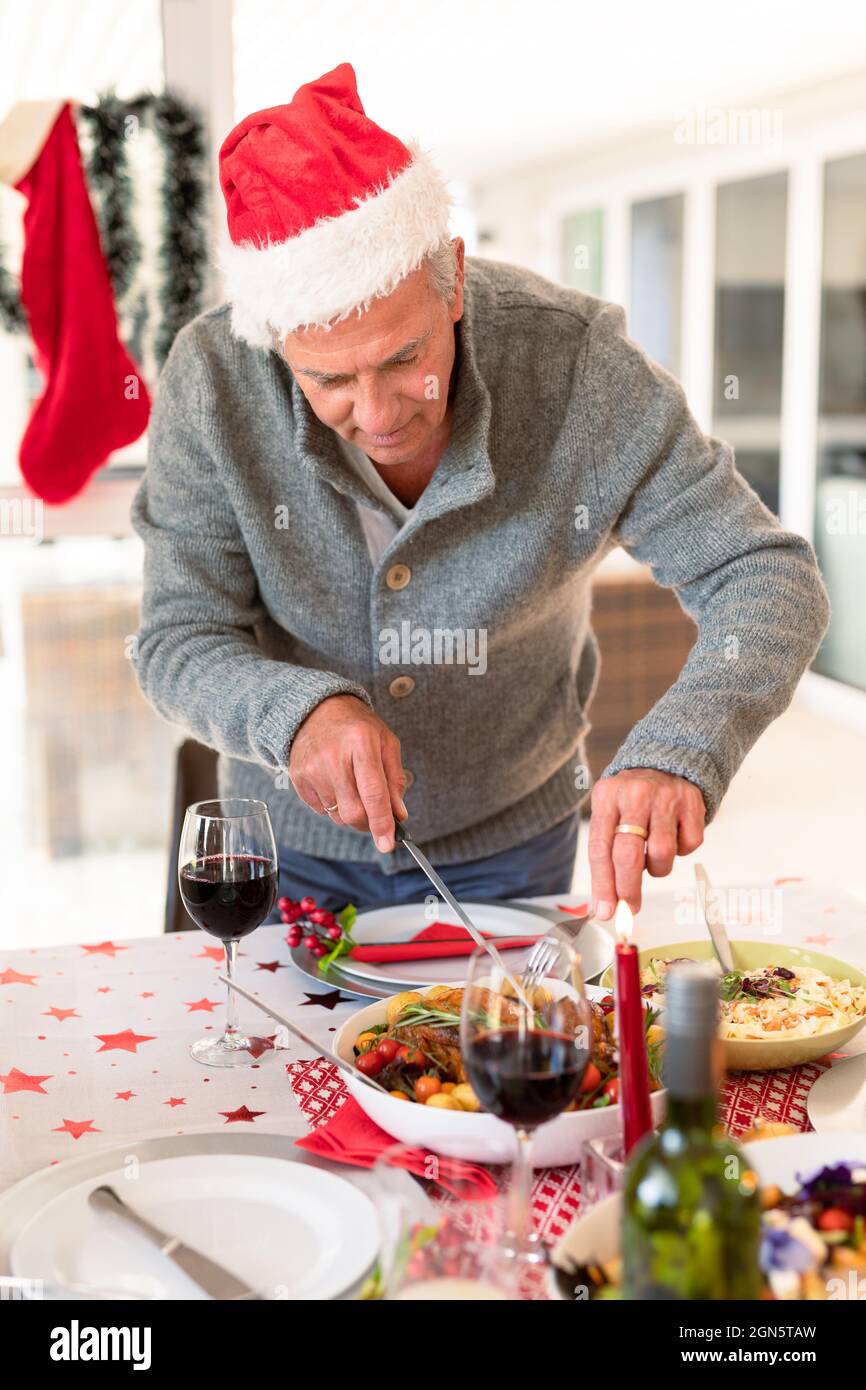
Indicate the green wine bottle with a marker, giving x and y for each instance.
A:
(691, 1226)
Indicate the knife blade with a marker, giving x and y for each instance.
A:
(210, 1276)
(715, 925)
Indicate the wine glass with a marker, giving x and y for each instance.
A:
(525, 1052)
(227, 871)
(441, 1240)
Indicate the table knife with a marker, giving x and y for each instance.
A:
(210, 1276)
(715, 925)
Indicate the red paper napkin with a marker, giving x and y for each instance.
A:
(434, 941)
(352, 1137)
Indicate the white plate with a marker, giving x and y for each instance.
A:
(838, 1098)
(403, 922)
(478, 1138)
(595, 1236)
(288, 1230)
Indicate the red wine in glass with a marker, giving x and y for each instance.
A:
(525, 1078)
(227, 875)
(525, 1047)
(229, 895)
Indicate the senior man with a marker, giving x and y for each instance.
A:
(380, 480)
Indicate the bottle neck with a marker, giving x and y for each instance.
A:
(691, 1113)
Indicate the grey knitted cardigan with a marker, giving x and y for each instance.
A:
(260, 598)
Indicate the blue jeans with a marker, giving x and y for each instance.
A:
(544, 864)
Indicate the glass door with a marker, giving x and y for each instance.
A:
(840, 494)
(749, 316)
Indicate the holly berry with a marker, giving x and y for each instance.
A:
(319, 916)
(335, 933)
(291, 914)
(294, 937)
(307, 905)
(284, 904)
(311, 942)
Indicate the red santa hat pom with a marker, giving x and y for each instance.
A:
(326, 211)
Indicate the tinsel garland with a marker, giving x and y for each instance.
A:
(183, 248)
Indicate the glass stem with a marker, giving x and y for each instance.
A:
(520, 1196)
(231, 1032)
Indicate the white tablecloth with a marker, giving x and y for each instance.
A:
(94, 1039)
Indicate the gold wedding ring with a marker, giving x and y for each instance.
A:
(328, 809)
(624, 829)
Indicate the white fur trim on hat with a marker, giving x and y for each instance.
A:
(339, 264)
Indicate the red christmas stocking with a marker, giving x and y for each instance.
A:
(95, 399)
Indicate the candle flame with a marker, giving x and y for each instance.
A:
(623, 921)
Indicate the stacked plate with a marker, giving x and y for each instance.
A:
(395, 925)
(285, 1228)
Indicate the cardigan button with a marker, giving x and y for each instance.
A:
(398, 576)
(401, 686)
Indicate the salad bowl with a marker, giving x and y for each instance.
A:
(769, 1052)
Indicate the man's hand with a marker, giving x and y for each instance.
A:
(343, 755)
(670, 809)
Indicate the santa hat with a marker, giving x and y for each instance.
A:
(326, 211)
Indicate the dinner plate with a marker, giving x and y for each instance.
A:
(395, 924)
(289, 1230)
(838, 1098)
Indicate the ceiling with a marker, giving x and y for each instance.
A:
(488, 84)
(484, 84)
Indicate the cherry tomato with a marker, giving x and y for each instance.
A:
(410, 1056)
(370, 1063)
(388, 1049)
(835, 1219)
(611, 1090)
(591, 1078)
(425, 1087)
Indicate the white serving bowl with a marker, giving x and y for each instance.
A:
(478, 1138)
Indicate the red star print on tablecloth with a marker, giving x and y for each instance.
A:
(175, 1100)
(76, 1128)
(14, 977)
(259, 1045)
(271, 965)
(206, 1006)
(211, 953)
(233, 1116)
(127, 1041)
(61, 1014)
(124, 1095)
(103, 948)
(16, 1080)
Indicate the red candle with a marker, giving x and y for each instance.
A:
(634, 1088)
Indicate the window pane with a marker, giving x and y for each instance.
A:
(749, 311)
(582, 235)
(657, 278)
(87, 780)
(840, 497)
